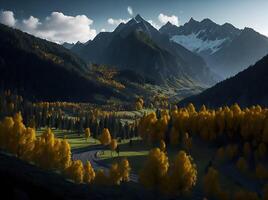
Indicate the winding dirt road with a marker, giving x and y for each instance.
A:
(90, 154)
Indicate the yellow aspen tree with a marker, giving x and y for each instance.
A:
(28, 144)
(76, 171)
(17, 135)
(87, 133)
(89, 173)
(113, 145)
(191, 108)
(124, 169)
(64, 155)
(155, 169)
(105, 137)
(114, 174)
(159, 129)
(146, 126)
(183, 175)
(139, 104)
(47, 145)
(56, 154)
(162, 145)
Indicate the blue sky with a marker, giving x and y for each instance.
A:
(241, 13)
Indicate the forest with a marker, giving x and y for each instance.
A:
(165, 142)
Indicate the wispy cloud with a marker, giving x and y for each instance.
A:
(130, 10)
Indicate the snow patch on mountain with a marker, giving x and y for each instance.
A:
(193, 43)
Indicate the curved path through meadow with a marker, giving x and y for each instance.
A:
(90, 154)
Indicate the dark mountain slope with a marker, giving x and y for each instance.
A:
(43, 70)
(244, 50)
(247, 88)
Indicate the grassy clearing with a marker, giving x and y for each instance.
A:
(130, 116)
(135, 153)
(73, 138)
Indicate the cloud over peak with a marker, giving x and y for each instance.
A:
(7, 18)
(116, 22)
(56, 27)
(173, 19)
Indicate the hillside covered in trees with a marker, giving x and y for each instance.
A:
(248, 87)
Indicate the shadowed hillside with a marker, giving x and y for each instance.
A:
(44, 70)
(246, 88)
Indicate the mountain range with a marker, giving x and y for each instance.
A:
(45, 71)
(136, 60)
(226, 49)
(247, 88)
(139, 47)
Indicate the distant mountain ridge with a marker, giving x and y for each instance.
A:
(247, 88)
(225, 48)
(138, 46)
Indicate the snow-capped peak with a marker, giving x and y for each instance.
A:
(193, 43)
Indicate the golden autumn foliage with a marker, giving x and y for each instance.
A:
(183, 174)
(114, 174)
(89, 173)
(105, 137)
(177, 179)
(162, 145)
(152, 129)
(139, 103)
(155, 169)
(113, 144)
(146, 126)
(118, 172)
(124, 169)
(52, 153)
(87, 133)
(76, 171)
